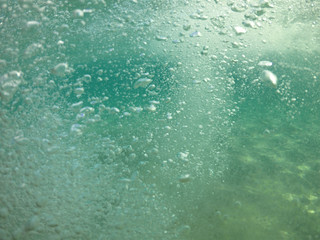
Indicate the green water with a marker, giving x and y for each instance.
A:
(207, 147)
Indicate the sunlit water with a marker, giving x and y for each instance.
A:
(159, 120)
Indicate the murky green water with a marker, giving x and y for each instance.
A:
(157, 120)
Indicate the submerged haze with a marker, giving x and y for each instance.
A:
(137, 119)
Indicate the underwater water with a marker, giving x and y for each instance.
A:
(162, 119)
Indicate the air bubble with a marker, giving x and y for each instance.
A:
(249, 23)
(79, 91)
(161, 38)
(183, 156)
(33, 24)
(152, 108)
(114, 110)
(87, 110)
(185, 178)
(196, 34)
(76, 106)
(76, 128)
(142, 82)
(269, 77)
(9, 84)
(78, 13)
(240, 30)
(60, 69)
(265, 63)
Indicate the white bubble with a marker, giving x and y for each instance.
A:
(114, 110)
(142, 82)
(152, 108)
(60, 69)
(9, 84)
(240, 30)
(86, 78)
(76, 106)
(269, 77)
(196, 34)
(239, 7)
(79, 91)
(78, 13)
(161, 38)
(87, 110)
(249, 23)
(183, 156)
(76, 128)
(265, 63)
(32, 24)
